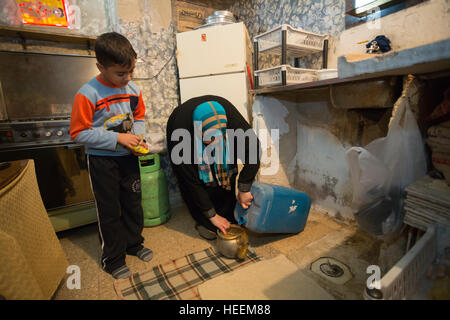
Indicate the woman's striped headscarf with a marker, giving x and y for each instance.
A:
(213, 119)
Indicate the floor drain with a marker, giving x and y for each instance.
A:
(332, 270)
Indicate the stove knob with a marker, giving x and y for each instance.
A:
(59, 133)
(48, 134)
(23, 135)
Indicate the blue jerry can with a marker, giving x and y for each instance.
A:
(275, 209)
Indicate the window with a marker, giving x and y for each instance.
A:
(360, 11)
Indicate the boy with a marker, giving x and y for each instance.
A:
(108, 119)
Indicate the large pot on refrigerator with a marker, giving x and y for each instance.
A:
(218, 18)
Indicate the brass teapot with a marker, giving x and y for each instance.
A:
(234, 244)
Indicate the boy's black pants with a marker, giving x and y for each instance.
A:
(117, 190)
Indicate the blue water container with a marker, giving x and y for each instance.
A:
(275, 209)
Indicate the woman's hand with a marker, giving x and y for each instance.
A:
(220, 222)
(244, 199)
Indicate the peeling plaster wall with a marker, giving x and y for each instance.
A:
(313, 134)
(311, 154)
(279, 149)
(322, 170)
(148, 25)
(94, 16)
(320, 167)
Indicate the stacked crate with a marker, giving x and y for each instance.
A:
(427, 202)
(286, 40)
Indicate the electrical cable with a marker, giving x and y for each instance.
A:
(155, 76)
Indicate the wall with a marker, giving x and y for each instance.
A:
(313, 135)
(316, 135)
(415, 26)
(319, 16)
(149, 27)
(309, 152)
(95, 17)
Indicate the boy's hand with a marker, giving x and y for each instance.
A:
(142, 144)
(128, 140)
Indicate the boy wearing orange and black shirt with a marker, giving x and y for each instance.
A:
(108, 118)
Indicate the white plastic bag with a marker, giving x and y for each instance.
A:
(380, 172)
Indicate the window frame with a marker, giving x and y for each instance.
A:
(353, 18)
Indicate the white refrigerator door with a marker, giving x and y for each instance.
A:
(233, 87)
(214, 50)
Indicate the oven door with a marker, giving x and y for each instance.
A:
(63, 180)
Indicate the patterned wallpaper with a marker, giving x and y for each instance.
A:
(318, 16)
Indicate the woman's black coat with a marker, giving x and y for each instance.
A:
(190, 185)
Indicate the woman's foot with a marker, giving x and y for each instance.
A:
(205, 232)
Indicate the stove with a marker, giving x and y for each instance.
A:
(36, 95)
(21, 134)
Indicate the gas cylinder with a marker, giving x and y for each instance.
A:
(155, 195)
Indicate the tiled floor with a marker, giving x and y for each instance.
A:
(322, 237)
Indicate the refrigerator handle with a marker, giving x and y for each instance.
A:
(249, 73)
(255, 62)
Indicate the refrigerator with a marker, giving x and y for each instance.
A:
(217, 60)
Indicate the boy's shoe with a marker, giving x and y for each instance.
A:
(205, 232)
(145, 254)
(122, 272)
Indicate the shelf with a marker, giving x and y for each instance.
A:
(293, 88)
(321, 84)
(293, 40)
(428, 61)
(428, 58)
(28, 34)
(291, 50)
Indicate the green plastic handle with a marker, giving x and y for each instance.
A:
(149, 163)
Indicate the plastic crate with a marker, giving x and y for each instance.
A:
(298, 41)
(327, 74)
(274, 76)
(401, 280)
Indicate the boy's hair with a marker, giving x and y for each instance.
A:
(113, 48)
